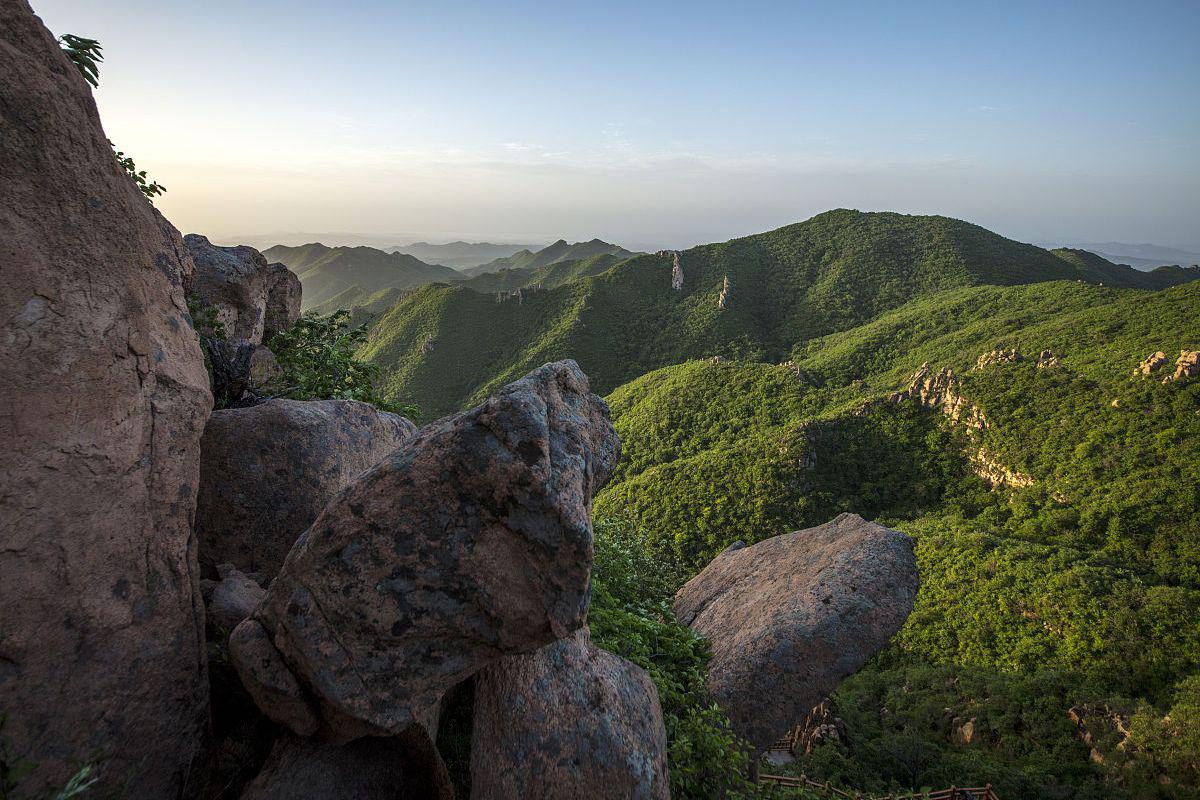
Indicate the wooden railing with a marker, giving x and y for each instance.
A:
(825, 790)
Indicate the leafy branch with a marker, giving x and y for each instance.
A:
(85, 54)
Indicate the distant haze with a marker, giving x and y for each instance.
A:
(651, 124)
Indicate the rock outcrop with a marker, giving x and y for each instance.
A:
(405, 767)
(1187, 365)
(676, 268)
(1150, 363)
(723, 299)
(1011, 355)
(567, 721)
(103, 397)
(940, 391)
(791, 616)
(268, 470)
(471, 542)
(1047, 359)
(252, 299)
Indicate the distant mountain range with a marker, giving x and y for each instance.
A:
(1138, 256)
(553, 254)
(326, 272)
(460, 255)
(356, 278)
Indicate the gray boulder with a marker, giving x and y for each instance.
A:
(568, 721)
(471, 542)
(230, 600)
(790, 617)
(268, 470)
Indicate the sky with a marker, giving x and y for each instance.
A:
(652, 123)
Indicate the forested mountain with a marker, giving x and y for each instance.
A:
(443, 347)
(326, 272)
(1058, 524)
(459, 255)
(559, 251)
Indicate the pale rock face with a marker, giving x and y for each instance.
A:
(470, 542)
(792, 616)
(103, 397)
(569, 703)
(723, 299)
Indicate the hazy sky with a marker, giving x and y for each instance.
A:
(653, 123)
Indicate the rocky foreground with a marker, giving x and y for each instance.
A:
(274, 600)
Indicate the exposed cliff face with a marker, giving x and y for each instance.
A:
(103, 397)
(941, 391)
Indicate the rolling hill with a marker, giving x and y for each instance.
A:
(443, 347)
(559, 251)
(354, 272)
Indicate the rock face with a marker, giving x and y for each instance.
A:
(723, 299)
(103, 397)
(252, 299)
(268, 470)
(471, 542)
(567, 721)
(790, 617)
(405, 767)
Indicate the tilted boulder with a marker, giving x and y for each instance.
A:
(103, 397)
(791, 616)
(405, 767)
(471, 542)
(253, 300)
(1151, 363)
(268, 470)
(283, 300)
(567, 721)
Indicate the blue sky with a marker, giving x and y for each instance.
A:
(653, 123)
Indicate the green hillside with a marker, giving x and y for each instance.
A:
(1061, 618)
(552, 254)
(546, 277)
(443, 348)
(327, 272)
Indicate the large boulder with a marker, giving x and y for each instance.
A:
(103, 397)
(233, 282)
(791, 616)
(283, 300)
(471, 542)
(251, 299)
(567, 721)
(404, 767)
(268, 470)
